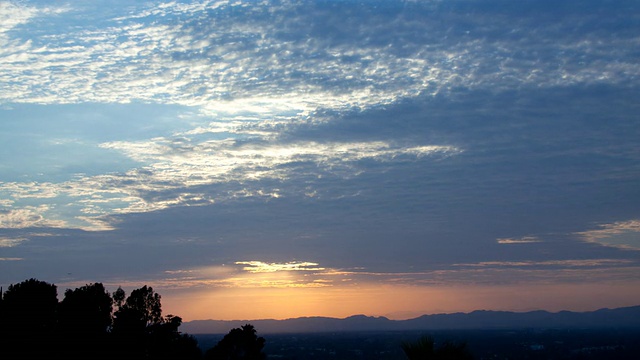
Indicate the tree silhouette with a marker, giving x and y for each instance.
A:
(86, 311)
(33, 325)
(146, 303)
(84, 318)
(30, 305)
(238, 344)
(118, 297)
(28, 318)
(141, 309)
(424, 349)
(141, 332)
(166, 342)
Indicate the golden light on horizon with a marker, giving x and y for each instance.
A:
(393, 301)
(250, 290)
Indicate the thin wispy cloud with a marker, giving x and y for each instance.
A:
(622, 234)
(259, 274)
(176, 165)
(522, 240)
(563, 263)
(261, 267)
(11, 242)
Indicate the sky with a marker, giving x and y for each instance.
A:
(276, 159)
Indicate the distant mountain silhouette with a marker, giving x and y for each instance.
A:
(628, 317)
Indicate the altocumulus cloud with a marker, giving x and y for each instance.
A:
(227, 57)
(290, 56)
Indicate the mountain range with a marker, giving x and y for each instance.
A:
(627, 317)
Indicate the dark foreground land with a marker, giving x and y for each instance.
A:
(535, 344)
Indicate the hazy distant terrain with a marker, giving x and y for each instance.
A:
(537, 335)
(628, 317)
(530, 344)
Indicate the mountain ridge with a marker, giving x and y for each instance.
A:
(624, 317)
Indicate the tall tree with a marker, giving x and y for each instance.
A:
(141, 331)
(30, 306)
(29, 319)
(141, 309)
(84, 318)
(166, 342)
(86, 310)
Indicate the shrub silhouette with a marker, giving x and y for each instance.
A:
(424, 349)
(239, 344)
(166, 342)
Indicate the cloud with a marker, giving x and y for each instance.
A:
(252, 274)
(11, 241)
(189, 163)
(561, 263)
(522, 240)
(6, 203)
(621, 234)
(294, 60)
(176, 166)
(262, 267)
(13, 15)
(261, 70)
(258, 274)
(29, 216)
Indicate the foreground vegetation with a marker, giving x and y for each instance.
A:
(91, 323)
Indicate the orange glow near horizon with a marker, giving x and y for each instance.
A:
(392, 301)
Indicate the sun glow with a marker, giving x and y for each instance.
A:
(393, 301)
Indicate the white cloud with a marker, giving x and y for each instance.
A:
(264, 267)
(234, 65)
(6, 203)
(12, 15)
(253, 274)
(177, 166)
(28, 216)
